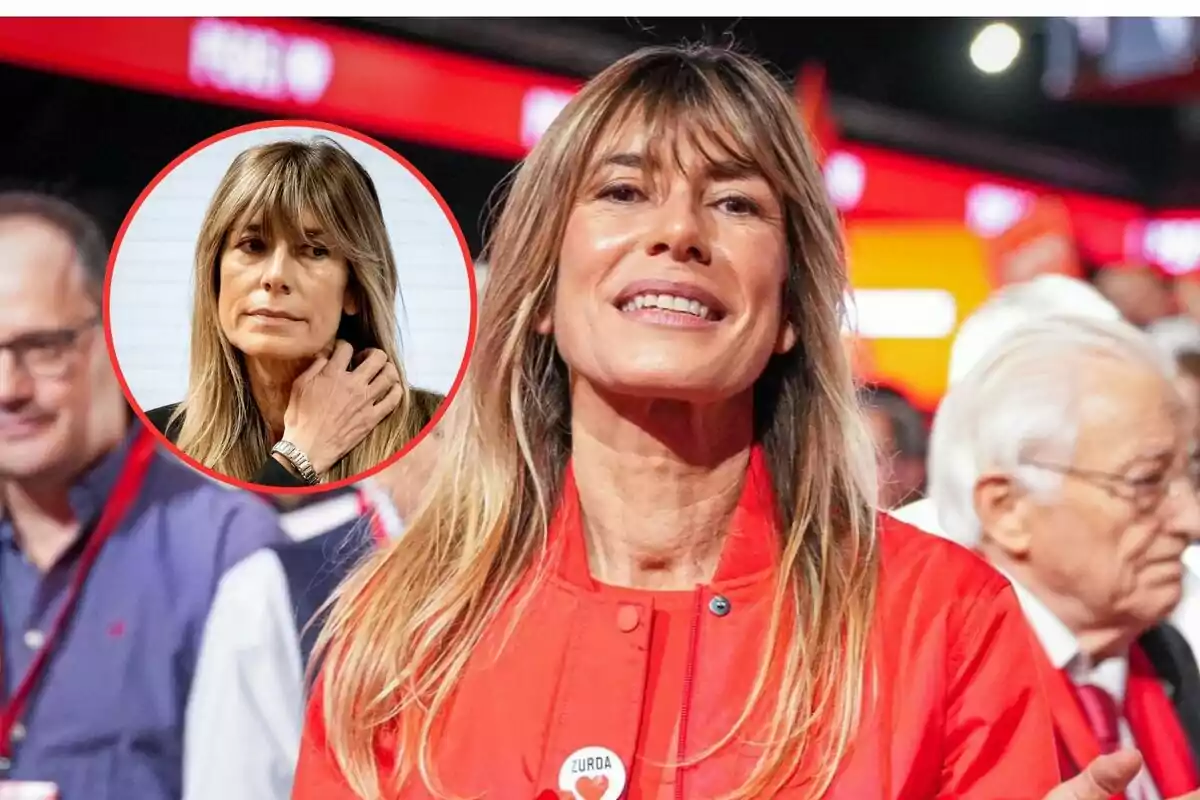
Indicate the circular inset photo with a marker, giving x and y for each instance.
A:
(290, 305)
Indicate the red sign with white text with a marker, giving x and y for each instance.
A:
(295, 68)
(870, 182)
(292, 67)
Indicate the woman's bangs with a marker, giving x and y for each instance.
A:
(282, 199)
(702, 117)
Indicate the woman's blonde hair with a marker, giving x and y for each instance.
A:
(402, 630)
(280, 184)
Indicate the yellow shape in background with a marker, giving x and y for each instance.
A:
(897, 255)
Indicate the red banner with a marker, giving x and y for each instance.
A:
(873, 183)
(294, 68)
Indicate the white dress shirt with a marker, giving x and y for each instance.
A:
(1111, 675)
(245, 712)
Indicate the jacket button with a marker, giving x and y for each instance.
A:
(719, 605)
(628, 618)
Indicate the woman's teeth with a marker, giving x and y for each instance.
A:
(668, 302)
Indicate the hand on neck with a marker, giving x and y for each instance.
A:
(271, 382)
(658, 483)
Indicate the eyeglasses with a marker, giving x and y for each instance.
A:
(47, 353)
(1146, 495)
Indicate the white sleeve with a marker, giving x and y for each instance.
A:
(246, 705)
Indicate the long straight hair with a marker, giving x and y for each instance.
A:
(402, 630)
(284, 182)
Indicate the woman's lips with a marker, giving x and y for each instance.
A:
(677, 303)
(668, 315)
(674, 304)
(272, 314)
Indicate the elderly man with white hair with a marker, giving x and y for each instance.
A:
(993, 323)
(1063, 458)
(1004, 313)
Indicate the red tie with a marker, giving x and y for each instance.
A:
(1104, 717)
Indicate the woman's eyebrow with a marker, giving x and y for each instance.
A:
(731, 171)
(724, 170)
(628, 159)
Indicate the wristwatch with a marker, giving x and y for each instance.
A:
(298, 460)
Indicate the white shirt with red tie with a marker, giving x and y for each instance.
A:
(1110, 675)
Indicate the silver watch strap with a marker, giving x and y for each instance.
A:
(298, 460)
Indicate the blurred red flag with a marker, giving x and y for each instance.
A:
(812, 98)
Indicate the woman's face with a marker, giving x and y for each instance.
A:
(671, 274)
(280, 299)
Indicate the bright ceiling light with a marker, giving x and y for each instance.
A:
(995, 48)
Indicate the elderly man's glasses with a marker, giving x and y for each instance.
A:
(47, 353)
(1146, 495)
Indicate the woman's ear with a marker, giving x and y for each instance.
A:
(545, 324)
(787, 337)
(350, 303)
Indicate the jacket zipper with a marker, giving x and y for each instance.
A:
(686, 702)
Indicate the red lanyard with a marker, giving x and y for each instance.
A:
(367, 509)
(124, 492)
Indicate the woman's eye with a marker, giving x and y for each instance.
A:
(738, 205)
(621, 193)
(316, 251)
(252, 245)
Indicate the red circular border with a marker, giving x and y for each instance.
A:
(467, 261)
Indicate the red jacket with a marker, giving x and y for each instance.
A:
(958, 711)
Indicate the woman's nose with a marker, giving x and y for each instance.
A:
(680, 231)
(278, 270)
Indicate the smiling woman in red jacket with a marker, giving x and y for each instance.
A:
(651, 567)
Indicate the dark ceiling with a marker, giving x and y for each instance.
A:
(918, 66)
(921, 65)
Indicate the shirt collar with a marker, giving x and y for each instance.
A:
(93, 487)
(750, 549)
(1063, 650)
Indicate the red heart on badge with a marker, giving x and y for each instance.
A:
(591, 788)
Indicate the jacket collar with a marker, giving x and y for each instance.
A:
(751, 549)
